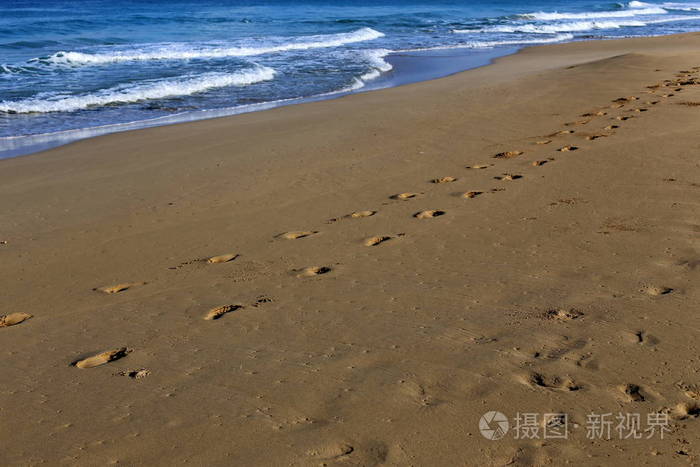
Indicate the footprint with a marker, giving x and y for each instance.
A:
(567, 149)
(112, 289)
(333, 451)
(595, 137)
(312, 271)
(544, 141)
(594, 114)
(478, 167)
(374, 241)
(222, 258)
(353, 215)
(621, 118)
(578, 122)
(429, 214)
(563, 315)
(471, 194)
(404, 196)
(447, 179)
(638, 110)
(539, 163)
(687, 410)
(218, 312)
(361, 214)
(102, 358)
(135, 374)
(633, 392)
(298, 234)
(509, 177)
(561, 133)
(13, 319)
(508, 154)
(655, 290)
(611, 127)
(640, 337)
(538, 380)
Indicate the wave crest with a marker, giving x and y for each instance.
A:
(126, 94)
(184, 52)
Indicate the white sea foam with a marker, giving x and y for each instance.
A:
(186, 51)
(491, 44)
(682, 6)
(375, 58)
(546, 16)
(573, 26)
(157, 89)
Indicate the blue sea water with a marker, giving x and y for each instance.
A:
(71, 64)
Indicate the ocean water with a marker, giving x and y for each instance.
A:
(68, 65)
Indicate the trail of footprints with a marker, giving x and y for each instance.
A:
(628, 105)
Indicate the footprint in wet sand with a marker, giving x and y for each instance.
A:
(447, 179)
(640, 337)
(471, 194)
(595, 137)
(478, 167)
(508, 154)
(622, 119)
(353, 215)
(222, 258)
(312, 271)
(579, 122)
(112, 289)
(361, 214)
(13, 319)
(429, 214)
(656, 290)
(594, 114)
(544, 141)
(135, 374)
(218, 312)
(686, 410)
(611, 127)
(102, 358)
(562, 314)
(567, 149)
(509, 177)
(337, 451)
(539, 163)
(405, 196)
(377, 240)
(539, 380)
(297, 234)
(632, 392)
(637, 110)
(561, 133)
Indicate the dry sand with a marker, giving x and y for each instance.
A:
(250, 291)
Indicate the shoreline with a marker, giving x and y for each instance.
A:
(357, 281)
(409, 69)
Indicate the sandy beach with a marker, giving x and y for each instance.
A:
(357, 281)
